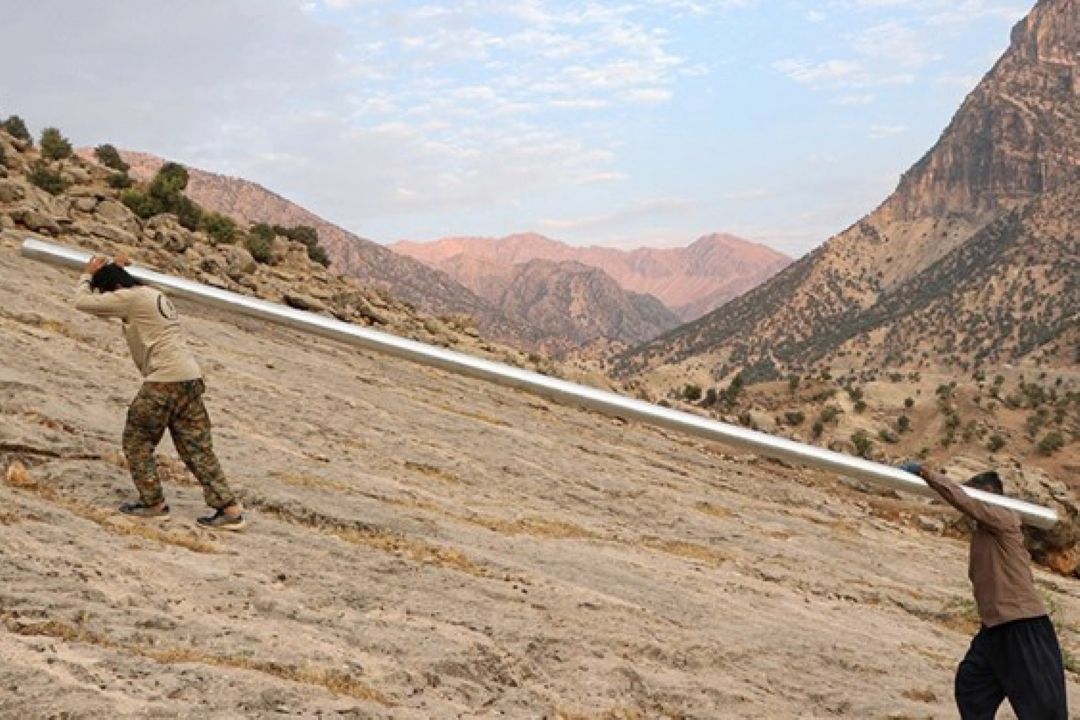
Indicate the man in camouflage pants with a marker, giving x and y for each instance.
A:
(170, 397)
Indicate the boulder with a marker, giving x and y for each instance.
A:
(303, 302)
(35, 221)
(84, 204)
(116, 213)
(75, 175)
(238, 262)
(11, 191)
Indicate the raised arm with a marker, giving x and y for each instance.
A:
(994, 518)
(100, 304)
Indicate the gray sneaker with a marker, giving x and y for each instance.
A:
(138, 509)
(221, 521)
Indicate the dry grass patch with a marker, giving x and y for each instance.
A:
(309, 481)
(712, 509)
(416, 550)
(688, 550)
(336, 682)
(533, 526)
(432, 472)
(19, 477)
(925, 695)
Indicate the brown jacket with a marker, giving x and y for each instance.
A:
(151, 329)
(999, 566)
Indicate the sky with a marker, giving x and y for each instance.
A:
(621, 123)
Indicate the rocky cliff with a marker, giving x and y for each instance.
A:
(1015, 138)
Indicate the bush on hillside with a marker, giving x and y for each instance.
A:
(319, 255)
(46, 178)
(120, 181)
(141, 204)
(1050, 444)
(16, 128)
(188, 213)
(109, 156)
(259, 245)
(54, 146)
(3, 157)
(219, 227)
(169, 184)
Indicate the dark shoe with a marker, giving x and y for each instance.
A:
(221, 521)
(139, 509)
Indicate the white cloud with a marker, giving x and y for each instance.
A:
(815, 16)
(965, 82)
(829, 71)
(896, 43)
(878, 132)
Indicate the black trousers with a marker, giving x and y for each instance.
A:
(1019, 660)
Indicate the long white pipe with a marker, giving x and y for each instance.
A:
(553, 388)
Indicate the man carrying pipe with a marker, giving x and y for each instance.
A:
(1015, 654)
(170, 397)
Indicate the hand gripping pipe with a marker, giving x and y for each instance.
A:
(553, 388)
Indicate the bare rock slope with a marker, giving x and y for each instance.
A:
(425, 546)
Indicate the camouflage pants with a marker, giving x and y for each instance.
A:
(177, 406)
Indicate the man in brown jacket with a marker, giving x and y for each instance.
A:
(1015, 654)
(170, 396)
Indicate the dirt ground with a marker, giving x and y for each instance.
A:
(426, 546)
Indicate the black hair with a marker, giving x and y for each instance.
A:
(988, 480)
(112, 277)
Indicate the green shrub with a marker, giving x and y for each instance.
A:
(188, 213)
(46, 178)
(909, 402)
(3, 157)
(860, 405)
(692, 392)
(794, 417)
(120, 181)
(888, 435)
(862, 442)
(16, 128)
(711, 397)
(996, 442)
(318, 254)
(1050, 444)
(109, 156)
(168, 185)
(221, 228)
(793, 382)
(140, 203)
(817, 428)
(259, 246)
(903, 423)
(54, 146)
(829, 413)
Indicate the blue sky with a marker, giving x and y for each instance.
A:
(646, 122)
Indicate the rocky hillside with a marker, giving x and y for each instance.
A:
(574, 305)
(85, 211)
(430, 291)
(1014, 139)
(690, 281)
(426, 546)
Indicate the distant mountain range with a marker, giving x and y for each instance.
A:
(430, 290)
(973, 261)
(689, 281)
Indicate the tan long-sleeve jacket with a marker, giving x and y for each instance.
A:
(150, 327)
(999, 564)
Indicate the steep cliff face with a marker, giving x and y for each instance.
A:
(1015, 138)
